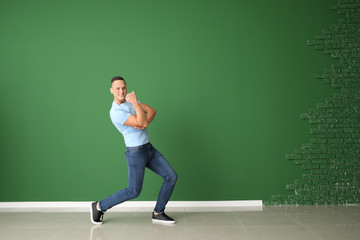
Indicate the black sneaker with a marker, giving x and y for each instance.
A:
(95, 215)
(162, 219)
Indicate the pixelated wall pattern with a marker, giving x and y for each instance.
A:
(331, 160)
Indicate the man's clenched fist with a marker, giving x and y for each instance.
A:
(131, 98)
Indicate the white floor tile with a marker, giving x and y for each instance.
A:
(272, 223)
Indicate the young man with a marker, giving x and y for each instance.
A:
(131, 117)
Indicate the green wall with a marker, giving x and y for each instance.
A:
(331, 159)
(229, 80)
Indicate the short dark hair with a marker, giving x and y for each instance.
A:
(117, 78)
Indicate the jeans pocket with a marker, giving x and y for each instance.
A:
(137, 149)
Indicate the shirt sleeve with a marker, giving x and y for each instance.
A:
(120, 116)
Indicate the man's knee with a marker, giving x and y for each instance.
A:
(133, 193)
(173, 178)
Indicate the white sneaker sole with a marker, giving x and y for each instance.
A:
(91, 217)
(156, 221)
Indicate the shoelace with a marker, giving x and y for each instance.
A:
(163, 216)
(166, 216)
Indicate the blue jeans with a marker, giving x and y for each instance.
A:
(137, 159)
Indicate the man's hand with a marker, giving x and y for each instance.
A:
(131, 98)
(138, 127)
(139, 120)
(144, 113)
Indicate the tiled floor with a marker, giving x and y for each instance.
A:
(288, 223)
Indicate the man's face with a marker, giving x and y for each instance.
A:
(118, 89)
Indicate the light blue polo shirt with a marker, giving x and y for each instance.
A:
(119, 114)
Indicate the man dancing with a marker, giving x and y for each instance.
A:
(132, 117)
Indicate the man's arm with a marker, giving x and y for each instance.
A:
(150, 112)
(140, 120)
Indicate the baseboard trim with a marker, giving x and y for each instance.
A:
(132, 206)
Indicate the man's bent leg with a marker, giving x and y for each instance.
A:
(160, 165)
(136, 169)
